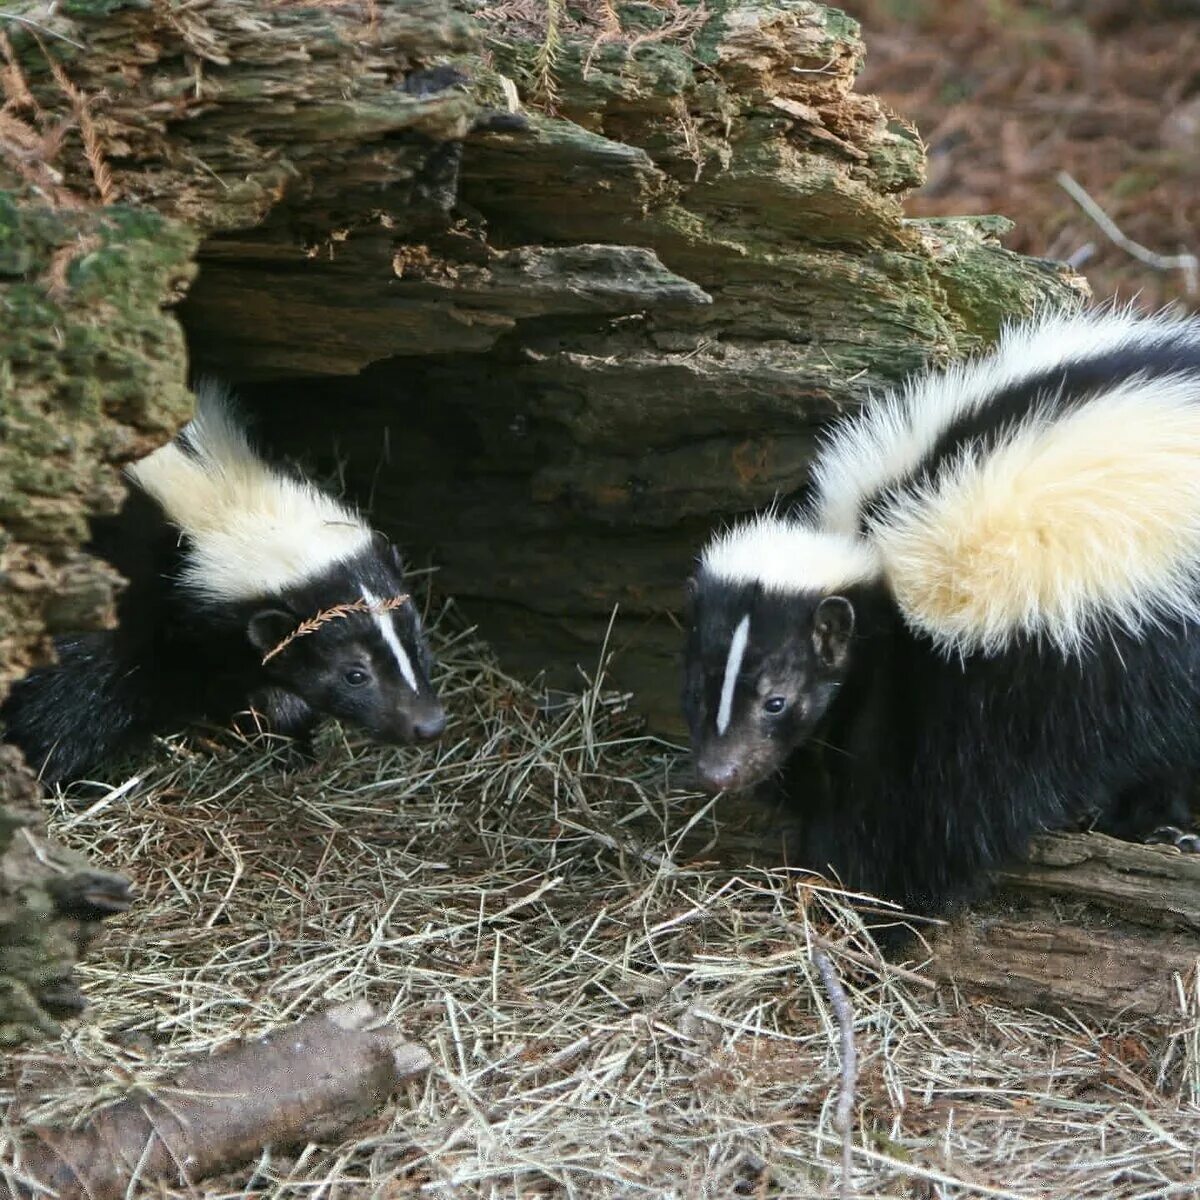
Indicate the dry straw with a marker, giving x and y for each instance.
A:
(613, 1010)
(335, 613)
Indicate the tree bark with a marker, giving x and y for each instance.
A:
(1090, 924)
(306, 1083)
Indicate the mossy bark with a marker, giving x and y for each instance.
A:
(91, 376)
(128, 132)
(565, 298)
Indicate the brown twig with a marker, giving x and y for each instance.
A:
(1187, 264)
(333, 614)
(843, 1120)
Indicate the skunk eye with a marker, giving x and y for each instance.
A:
(355, 677)
(775, 705)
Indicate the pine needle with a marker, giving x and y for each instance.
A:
(93, 148)
(545, 85)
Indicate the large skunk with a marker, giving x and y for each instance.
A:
(983, 623)
(255, 591)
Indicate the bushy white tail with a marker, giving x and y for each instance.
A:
(252, 530)
(1074, 524)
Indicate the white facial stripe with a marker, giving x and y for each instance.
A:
(388, 629)
(733, 667)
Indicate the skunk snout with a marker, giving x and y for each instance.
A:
(717, 774)
(430, 726)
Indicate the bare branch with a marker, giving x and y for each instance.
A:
(843, 1120)
(1188, 264)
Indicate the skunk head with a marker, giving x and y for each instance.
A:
(350, 644)
(769, 642)
(323, 598)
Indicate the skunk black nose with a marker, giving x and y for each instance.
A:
(717, 776)
(431, 727)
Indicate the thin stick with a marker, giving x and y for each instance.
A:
(1188, 264)
(843, 1120)
(62, 37)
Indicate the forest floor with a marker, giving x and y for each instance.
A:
(612, 1010)
(1009, 93)
(610, 1013)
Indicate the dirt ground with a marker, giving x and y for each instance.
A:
(1008, 93)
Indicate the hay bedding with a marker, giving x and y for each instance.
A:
(611, 1014)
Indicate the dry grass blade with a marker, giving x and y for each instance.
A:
(608, 1017)
(335, 613)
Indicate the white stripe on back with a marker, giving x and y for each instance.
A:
(733, 667)
(388, 629)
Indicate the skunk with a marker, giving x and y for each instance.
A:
(982, 623)
(251, 591)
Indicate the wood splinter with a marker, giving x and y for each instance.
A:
(301, 1084)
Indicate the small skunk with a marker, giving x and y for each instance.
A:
(983, 622)
(253, 590)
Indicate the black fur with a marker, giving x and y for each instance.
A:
(174, 661)
(934, 770)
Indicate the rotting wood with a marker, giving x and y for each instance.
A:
(51, 904)
(306, 1083)
(1089, 923)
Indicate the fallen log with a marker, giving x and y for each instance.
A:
(1089, 923)
(305, 1083)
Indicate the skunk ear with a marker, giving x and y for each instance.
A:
(268, 627)
(690, 590)
(833, 627)
(387, 549)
